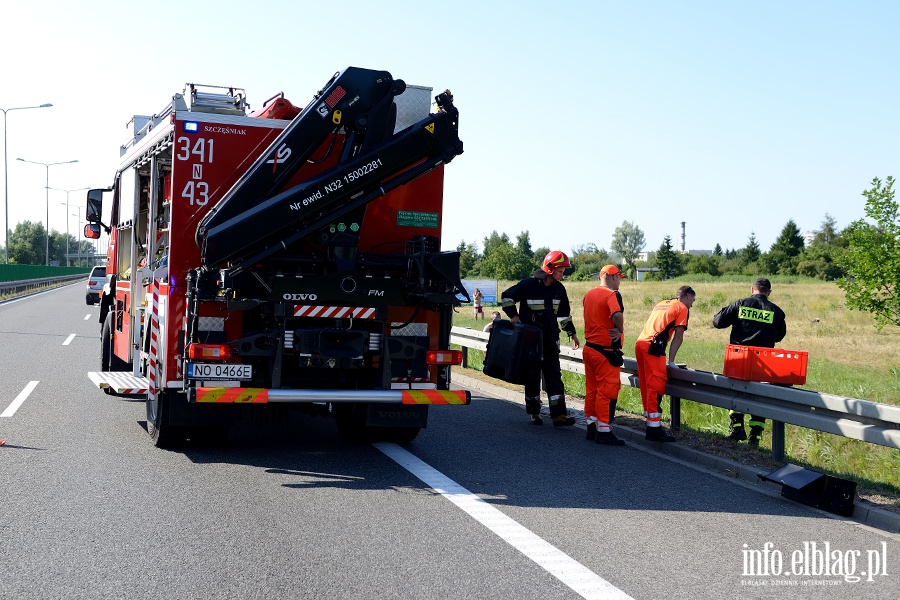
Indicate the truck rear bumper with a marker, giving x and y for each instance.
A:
(126, 383)
(263, 395)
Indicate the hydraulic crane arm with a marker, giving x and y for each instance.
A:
(255, 220)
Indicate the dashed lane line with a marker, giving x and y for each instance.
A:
(12, 408)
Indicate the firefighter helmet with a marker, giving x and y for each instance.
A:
(555, 258)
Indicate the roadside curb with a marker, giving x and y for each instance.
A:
(863, 511)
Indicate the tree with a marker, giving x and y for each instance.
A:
(628, 242)
(751, 252)
(782, 256)
(493, 241)
(827, 233)
(717, 251)
(468, 259)
(587, 260)
(821, 258)
(872, 259)
(704, 265)
(667, 260)
(523, 244)
(506, 262)
(27, 244)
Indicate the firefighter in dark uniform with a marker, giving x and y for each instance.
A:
(543, 303)
(754, 321)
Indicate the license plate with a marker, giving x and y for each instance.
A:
(219, 371)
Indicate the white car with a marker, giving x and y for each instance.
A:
(95, 284)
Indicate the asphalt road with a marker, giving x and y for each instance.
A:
(481, 505)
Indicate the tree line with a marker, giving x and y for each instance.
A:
(863, 258)
(28, 245)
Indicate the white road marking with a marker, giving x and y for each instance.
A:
(69, 340)
(12, 408)
(87, 316)
(582, 580)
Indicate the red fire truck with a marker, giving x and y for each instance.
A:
(285, 257)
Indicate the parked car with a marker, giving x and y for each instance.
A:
(95, 284)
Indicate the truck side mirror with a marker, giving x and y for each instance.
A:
(94, 209)
(92, 231)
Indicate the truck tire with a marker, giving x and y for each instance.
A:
(108, 360)
(162, 434)
(397, 435)
(351, 425)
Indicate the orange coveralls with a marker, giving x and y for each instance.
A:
(602, 383)
(652, 374)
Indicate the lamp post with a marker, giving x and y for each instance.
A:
(67, 216)
(5, 177)
(79, 235)
(47, 189)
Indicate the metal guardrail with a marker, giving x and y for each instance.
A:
(25, 286)
(848, 417)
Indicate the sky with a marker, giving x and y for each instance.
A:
(732, 117)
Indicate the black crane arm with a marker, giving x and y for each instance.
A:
(267, 224)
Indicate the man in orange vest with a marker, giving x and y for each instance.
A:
(668, 318)
(604, 325)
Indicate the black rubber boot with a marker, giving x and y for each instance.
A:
(533, 408)
(563, 421)
(612, 411)
(608, 438)
(591, 431)
(658, 434)
(738, 433)
(755, 433)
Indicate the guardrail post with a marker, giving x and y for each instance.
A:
(465, 353)
(675, 410)
(778, 440)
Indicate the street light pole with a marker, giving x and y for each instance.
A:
(79, 235)
(67, 217)
(47, 190)
(6, 177)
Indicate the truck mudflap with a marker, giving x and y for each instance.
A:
(236, 395)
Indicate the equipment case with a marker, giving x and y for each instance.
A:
(513, 350)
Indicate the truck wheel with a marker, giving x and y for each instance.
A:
(162, 434)
(108, 360)
(351, 422)
(396, 435)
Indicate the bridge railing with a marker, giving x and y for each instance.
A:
(863, 420)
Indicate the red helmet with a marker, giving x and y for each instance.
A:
(555, 258)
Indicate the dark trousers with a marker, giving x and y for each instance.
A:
(553, 384)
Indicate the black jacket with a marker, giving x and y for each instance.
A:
(544, 306)
(754, 321)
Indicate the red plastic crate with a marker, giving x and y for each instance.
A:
(773, 365)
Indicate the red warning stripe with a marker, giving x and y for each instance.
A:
(334, 312)
(436, 397)
(233, 395)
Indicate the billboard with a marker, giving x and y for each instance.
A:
(488, 287)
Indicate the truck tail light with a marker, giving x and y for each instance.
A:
(209, 352)
(443, 357)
